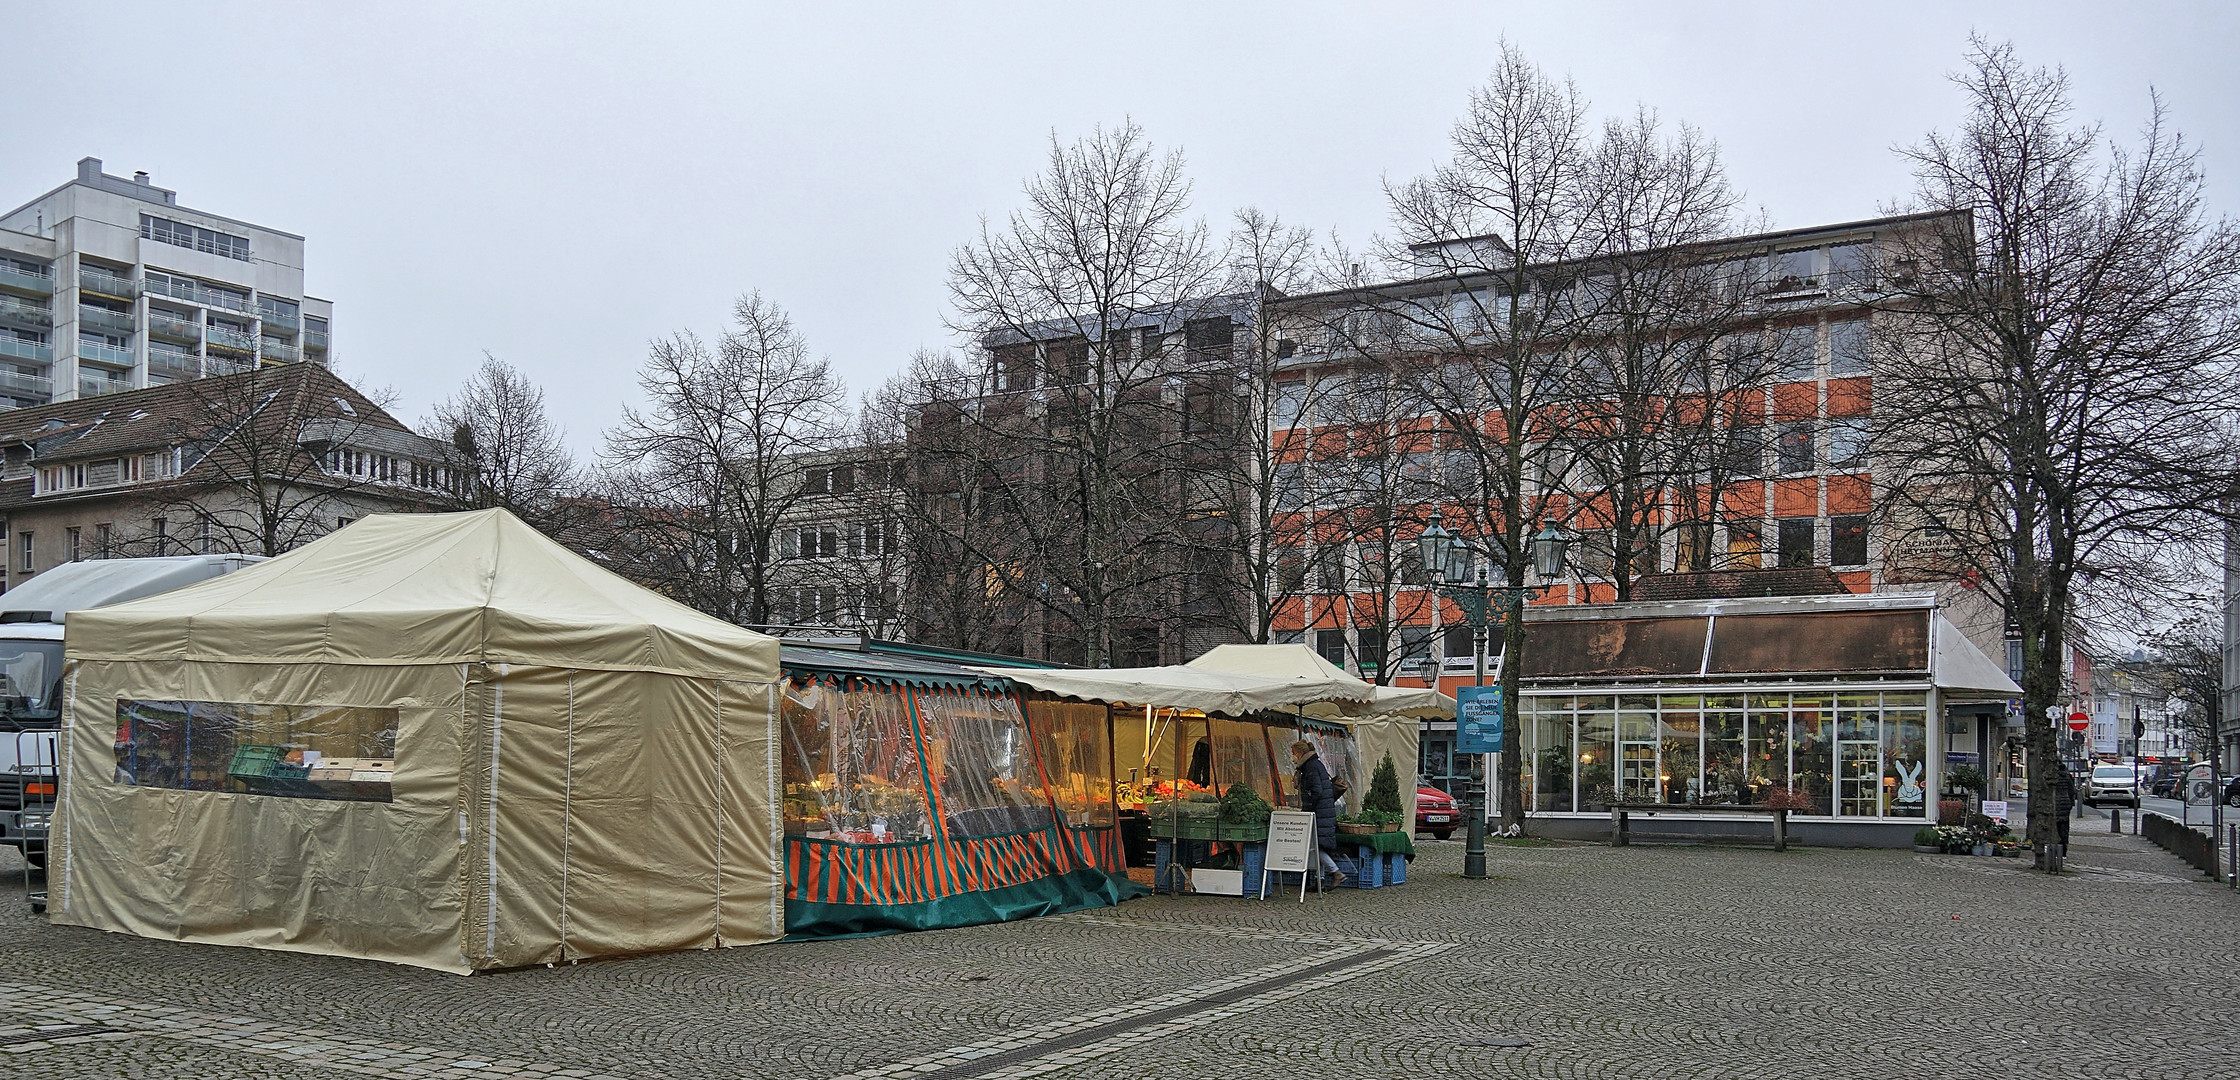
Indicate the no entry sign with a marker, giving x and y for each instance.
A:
(2079, 721)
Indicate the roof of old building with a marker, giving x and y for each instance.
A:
(161, 417)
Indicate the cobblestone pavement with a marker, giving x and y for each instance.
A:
(1649, 961)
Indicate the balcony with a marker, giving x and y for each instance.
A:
(225, 300)
(162, 324)
(175, 288)
(24, 281)
(279, 352)
(105, 321)
(230, 339)
(16, 382)
(15, 348)
(278, 320)
(220, 365)
(106, 354)
(14, 312)
(107, 284)
(95, 386)
(315, 341)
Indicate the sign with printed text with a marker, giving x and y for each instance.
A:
(1477, 720)
(1995, 809)
(1290, 841)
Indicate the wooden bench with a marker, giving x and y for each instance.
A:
(1619, 811)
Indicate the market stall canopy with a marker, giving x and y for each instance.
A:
(890, 670)
(478, 587)
(1296, 663)
(1182, 687)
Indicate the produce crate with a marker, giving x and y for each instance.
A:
(265, 763)
(1209, 829)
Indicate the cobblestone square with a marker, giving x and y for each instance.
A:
(1573, 961)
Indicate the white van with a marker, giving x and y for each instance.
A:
(31, 624)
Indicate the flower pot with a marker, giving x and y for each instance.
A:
(1350, 828)
(1983, 850)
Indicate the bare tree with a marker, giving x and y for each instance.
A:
(709, 466)
(520, 461)
(2059, 345)
(2188, 664)
(1074, 298)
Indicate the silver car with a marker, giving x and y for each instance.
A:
(2115, 783)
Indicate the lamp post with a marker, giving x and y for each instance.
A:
(1449, 560)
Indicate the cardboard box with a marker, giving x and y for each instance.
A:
(1218, 882)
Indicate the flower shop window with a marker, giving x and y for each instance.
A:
(332, 752)
(851, 764)
(981, 763)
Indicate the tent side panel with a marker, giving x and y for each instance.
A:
(525, 811)
(367, 879)
(752, 885)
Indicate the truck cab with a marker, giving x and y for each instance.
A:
(32, 619)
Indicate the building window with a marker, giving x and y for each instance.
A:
(1847, 347)
(1847, 540)
(1332, 645)
(1744, 450)
(1796, 353)
(101, 535)
(1795, 447)
(1746, 542)
(70, 544)
(160, 529)
(1458, 643)
(1209, 340)
(1368, 651)
(23, 547)
(193, 238)
(1847, 442)
(1796, 541)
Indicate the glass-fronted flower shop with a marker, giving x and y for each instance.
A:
(1838, 752)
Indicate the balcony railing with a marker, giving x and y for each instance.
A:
(230, 339)
(20, 313)
(25, 281)
(96, 387)
(228, 301)
(106, 321)
(106, 284)
(315, 341)
(172, 326)
(16, 348)
(106, 354)
(278, 320)
(219, 365)
(17, 382)
(278, 351)
(172, 367)
(175, 288)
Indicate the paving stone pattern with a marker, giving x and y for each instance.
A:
(1650, 961)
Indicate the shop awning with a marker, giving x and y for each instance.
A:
(1962, 672)
(884, 669)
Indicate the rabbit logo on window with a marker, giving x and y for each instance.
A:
(1909, 781)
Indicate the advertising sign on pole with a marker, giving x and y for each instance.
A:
(1477, 720)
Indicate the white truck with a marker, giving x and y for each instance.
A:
(31, 624)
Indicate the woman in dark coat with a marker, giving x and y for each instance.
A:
(1318, 794)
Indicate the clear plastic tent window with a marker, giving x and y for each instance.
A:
(331, 752)
(981, 763)
(1076, 758)
(851, 765)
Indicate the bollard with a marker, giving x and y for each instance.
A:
(2115, 820)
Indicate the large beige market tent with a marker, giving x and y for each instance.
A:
(1386, 722)
(441, 740)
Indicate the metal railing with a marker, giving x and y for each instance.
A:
(26, 314)
(315, 340)
(175, 288)
(107, 284)
(228, 301)
(231, 339)
(174, 326)
(219, 365)
(278, 350)
(18, 278)
(278, 318)
(115, 322)
(96, 387)
(19, 349)
(106, 354)
(25, 384)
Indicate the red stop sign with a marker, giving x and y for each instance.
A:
(2079, 721)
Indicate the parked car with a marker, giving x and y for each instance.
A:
(2114, 783)
(1436, 813)
(2232, 792)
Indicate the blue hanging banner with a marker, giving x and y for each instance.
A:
(1477, 720)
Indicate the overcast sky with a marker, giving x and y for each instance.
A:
(558, 187)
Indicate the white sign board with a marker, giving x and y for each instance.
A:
(1996, 810)
(1290, 841)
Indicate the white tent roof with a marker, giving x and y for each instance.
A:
(1206, 689)
(1298, 663)
(427, 589)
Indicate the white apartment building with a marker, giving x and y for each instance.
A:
(108, 284)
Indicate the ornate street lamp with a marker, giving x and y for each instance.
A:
(1448, 558)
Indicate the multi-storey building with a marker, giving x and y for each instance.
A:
(839, 545)
(256, 462)
(108, 284)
